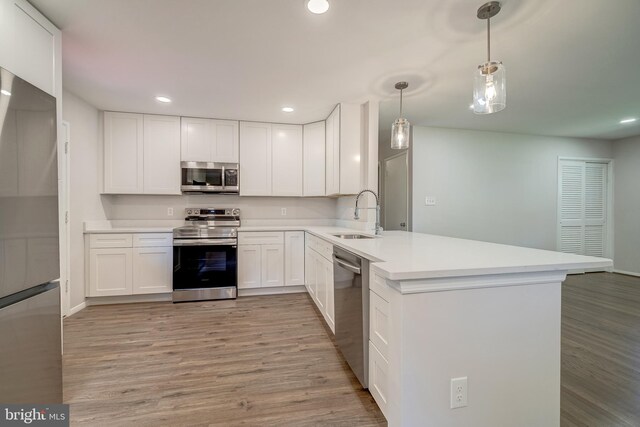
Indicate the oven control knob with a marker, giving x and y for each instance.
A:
(196, 211)
(189, 212)
(236, 212)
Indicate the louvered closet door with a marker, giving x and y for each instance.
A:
(582, 209)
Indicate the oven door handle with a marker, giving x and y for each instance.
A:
(205, 242)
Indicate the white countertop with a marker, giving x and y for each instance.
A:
(399, 255)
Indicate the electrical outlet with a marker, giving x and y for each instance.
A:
(458, 392)
(283, 211)
(169, 211)
(430, 201)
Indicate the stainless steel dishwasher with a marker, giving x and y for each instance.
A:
(351, 295)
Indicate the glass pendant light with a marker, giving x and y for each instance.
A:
(401, 129)
(489, 83)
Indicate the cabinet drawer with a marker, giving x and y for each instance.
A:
(379, 323)
(380, 287)
(378, 378)
(147, 240)
(323, 247)
(261, 238)
(110, 241)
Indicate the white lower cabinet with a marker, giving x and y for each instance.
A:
(129, 264)
(319, 276)
(379, 343)
(268, 259)
(152, 270)
(249, 266)
(294, 261)
(378, 378)
(111, 272)
(272, 265)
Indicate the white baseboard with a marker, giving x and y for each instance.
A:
(127, 299)
(626, 273)
(77, 309)
(271, 291)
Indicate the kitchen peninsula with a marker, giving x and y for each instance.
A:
(443, 308)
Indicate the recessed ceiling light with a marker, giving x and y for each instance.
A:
(163, 99)
(287, 109)
(5, 92)
(629, 120)
(317, 6)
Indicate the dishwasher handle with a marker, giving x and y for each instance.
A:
(342, 263)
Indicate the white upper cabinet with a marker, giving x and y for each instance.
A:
(255, 159)
(161, 155)
(195, 144)
(314, 159)
(207, 140)
(29, 45)
(286, 163)
(343, 150)
(332, 163)
(226, 148)
(141, 154)
(350, 150)
(123, 153)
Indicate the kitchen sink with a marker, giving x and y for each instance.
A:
(353, 236)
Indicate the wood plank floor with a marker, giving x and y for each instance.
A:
(265, 361)
(257, 361)
(600, 350)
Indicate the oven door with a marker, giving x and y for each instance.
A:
(204, 269)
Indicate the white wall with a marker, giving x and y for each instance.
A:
(126, 207)
(626, 169)
(491, 186)
(84, 200)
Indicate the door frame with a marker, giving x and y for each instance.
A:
(65, 221)
(609, 241)
(384, 186)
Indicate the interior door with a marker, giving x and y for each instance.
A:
(396, 192)
(583, 207)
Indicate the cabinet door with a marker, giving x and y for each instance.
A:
(272, 265)
(255, 159)
(249, 266)
(152, 270)
(33, 44)
(161, 155)
(123, 153)
(225, 135)
(110, 272)
(310, 272)
(350, 151)
(314, 159)
(329, 313)
(332, 153)
(286, 160)
(196, 141)
(321, 283)
(294, 259)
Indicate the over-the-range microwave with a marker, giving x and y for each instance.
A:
(204, 177)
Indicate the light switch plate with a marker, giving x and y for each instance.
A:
(430, 201)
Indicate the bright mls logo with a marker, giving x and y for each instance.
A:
(34, 415)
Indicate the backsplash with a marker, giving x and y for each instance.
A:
(134, 207)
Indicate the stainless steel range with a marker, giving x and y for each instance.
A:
(205, 254)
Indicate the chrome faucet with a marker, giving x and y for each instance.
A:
(356, 213)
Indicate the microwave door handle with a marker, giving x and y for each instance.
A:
(224, 178)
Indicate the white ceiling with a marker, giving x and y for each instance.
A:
(573, 66)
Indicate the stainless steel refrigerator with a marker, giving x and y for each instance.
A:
(30, 324)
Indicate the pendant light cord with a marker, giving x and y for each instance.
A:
(489, 40)
(400, 103)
